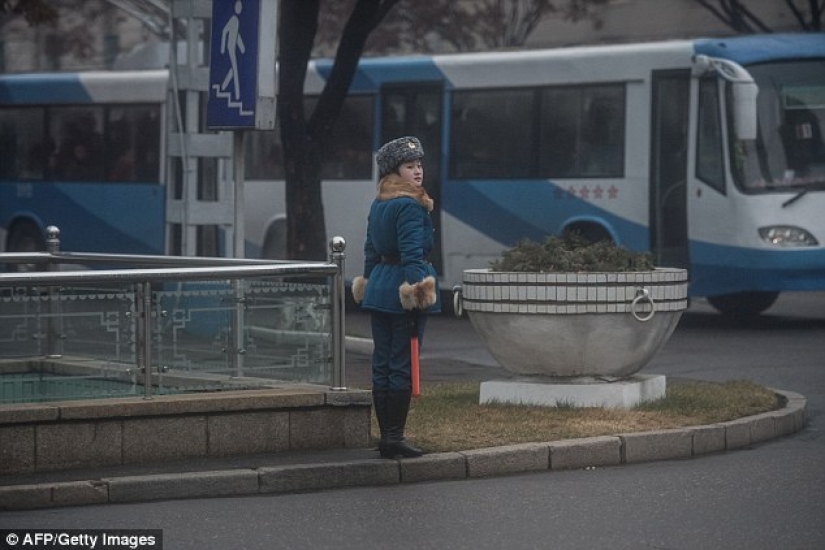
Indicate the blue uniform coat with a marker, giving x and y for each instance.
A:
(397, 276)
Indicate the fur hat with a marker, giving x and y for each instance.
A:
(398, 151)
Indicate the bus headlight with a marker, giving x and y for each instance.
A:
(787, 235)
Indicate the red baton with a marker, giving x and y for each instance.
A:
(414, 372)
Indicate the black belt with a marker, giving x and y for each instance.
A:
(392, 260)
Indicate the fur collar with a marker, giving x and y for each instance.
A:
(393, 186)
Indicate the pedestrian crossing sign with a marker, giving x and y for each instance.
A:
(242, 65)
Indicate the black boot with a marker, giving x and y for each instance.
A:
(379, 401)
(398, 405)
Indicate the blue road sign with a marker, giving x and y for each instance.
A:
(233, 64)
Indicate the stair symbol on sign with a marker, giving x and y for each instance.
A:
(232, 104)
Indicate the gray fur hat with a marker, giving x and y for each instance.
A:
(397, 151)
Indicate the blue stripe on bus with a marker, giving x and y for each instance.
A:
(509, 212)
(720, 269)
(119, 218)
(746, 50)
(30, 89)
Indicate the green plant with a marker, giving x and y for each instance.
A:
(571, 253)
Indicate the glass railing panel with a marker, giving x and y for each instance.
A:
(285, 334)
(191, 334)
(21, 322)
(288, 331)
(90, 322)
(97, 322)
(87, 334)
(67, 343)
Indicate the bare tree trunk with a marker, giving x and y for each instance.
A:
(303, 140)
(306, 233)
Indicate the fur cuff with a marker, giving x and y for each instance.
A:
(359, 286)
(421, 295)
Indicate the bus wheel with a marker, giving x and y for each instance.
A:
(589, 232)
(24, 236)
(743, 305)
(274, 245)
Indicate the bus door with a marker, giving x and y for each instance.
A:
(416, 110)
(668, 167)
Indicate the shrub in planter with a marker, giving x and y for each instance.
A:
(571, 253)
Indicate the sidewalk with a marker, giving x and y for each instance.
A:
(455, 355)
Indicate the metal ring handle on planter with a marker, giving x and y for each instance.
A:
(458, 307)
(642, 294)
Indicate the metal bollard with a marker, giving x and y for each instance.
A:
(236, 338)
(337, 246)
(54, 323)
(52, 242)
(143, 334)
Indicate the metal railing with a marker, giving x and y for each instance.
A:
(166, 318)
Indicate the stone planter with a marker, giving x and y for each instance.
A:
(563, 325)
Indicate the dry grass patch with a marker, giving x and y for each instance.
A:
(448, 417)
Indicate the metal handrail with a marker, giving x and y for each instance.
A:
(155, 275)
(136, 259)
(188, 268)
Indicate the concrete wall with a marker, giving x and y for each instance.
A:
(60, 436)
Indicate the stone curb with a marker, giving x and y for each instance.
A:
(530, 457)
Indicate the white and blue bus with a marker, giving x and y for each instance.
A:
(708, 152)
(83, 151)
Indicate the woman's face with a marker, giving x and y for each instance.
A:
(412, 171)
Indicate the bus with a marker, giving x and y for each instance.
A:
(708, 153)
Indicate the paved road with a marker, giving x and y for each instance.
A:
(766, 497)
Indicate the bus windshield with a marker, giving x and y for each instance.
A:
(789, 152)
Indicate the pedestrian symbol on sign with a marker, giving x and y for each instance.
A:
(232, 43)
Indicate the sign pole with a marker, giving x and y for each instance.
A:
(242, 83)
(238, 170)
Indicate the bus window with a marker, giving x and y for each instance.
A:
(147, 144)
(709, 160)
(491, 134)
(78, 136)
(132, 142)
(582, 132)
(22, 147)
(263, 155)
(789, 151)
(348, 153)
(393, 116)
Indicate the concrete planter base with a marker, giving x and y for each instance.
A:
(624, 393)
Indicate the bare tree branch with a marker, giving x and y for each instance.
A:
(742, 19)
(36, 12)
(816, 8)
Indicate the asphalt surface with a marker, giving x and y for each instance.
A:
(451, 352)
